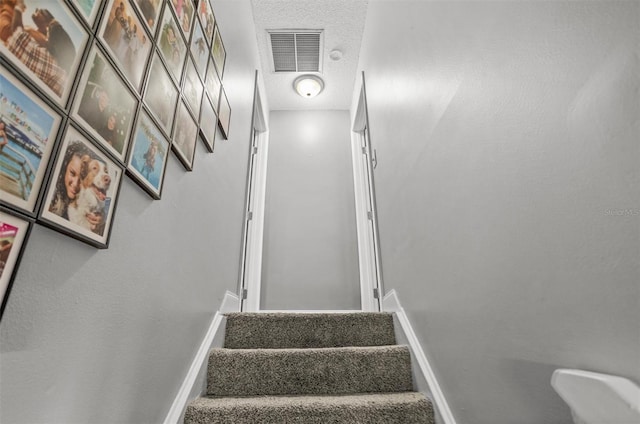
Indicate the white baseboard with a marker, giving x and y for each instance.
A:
(230, 303)
(391, 303)
(310, 311)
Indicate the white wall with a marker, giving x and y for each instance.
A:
(310, 249)
(107, 336)
(508, 188)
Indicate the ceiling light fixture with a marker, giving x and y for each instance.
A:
(308, 85)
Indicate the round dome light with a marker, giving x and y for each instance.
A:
(308, 85)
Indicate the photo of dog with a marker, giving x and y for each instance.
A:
(95, 182)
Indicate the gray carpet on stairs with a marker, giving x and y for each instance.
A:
(312, 369)
(308, 330)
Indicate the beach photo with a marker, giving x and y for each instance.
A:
(207, 19)
(185, 134)
(45, 41)
(199, 50)
(126, 40)
(192, 89)
(148, 156)
(208, 124)
(185, 12)
(14, 232)
(149, 9)
(161, 95)
(28, 129)
(82, 192)
(104, 105)
(172, 46)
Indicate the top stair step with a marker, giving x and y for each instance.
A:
(308, 330)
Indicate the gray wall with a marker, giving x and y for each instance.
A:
(310, 249)
(107, 336)
(508, 190)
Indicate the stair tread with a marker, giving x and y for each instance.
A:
(274, 330)
(405, 408)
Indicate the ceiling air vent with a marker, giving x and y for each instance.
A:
(296, 50)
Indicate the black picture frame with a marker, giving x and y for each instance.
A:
(185, 13)
(30, 127)
(218, 52)
(149, 11)
(192, 88)
(51, 62)
(105, 105)
(126, 40)
(213, 85)
(171, 44)
(14, 235)
(207, 19)
(208, 124)
(88, 9)
(148, 147)
(94, 179)
(185, 134)
(199, 49)
(161, 95)
(224, 114)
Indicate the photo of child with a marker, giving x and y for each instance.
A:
(147, 160)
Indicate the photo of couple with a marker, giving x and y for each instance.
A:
(82, 191)
(106, 106)
(126, 40)
(43, 39)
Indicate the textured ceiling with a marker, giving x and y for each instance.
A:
(343, 24)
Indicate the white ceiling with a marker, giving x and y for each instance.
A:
(343, 24)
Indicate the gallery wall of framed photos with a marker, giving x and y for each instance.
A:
(92, 91)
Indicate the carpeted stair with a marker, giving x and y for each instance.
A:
(310, 369)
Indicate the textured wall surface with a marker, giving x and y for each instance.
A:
(508, 192)
(310, 249)
(107, 336)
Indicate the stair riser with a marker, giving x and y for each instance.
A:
(279, 331)
(309, 371)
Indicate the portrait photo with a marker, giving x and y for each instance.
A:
(45, 41)
(185, 12)
(207, 19)
(83, 190)
(172, 46)
(148, 157)
(192, 89)
(185, 133)
(149, 9)
(14, 232)
(199, 50)
(224, 115)
(213, 85)
(88, 9)
(125, 39)
(161, 95)
(28, 130)
(218, 52)
(104, 105)
(208, 124)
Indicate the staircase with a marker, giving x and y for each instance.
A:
(312, 369)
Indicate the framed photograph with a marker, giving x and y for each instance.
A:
(14, 233)
(213, 85)
(207, 19)
(149, 9)
(83, 191)
(192, 88)
(161, 95)
(45, 41)
(104, 105)
(125, 39)
(28, 129)
(185, 133)
(88, 9)
(172, 46)
(218, 52)
(208, 124)
(148, 156)
(199, 50)
(224, 115)
(185, 11)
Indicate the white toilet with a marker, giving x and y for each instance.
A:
(598, 398)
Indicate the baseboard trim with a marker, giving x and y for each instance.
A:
(391, 303)
(310, 311)
(230, 303)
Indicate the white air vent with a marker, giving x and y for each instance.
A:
(296, 50)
